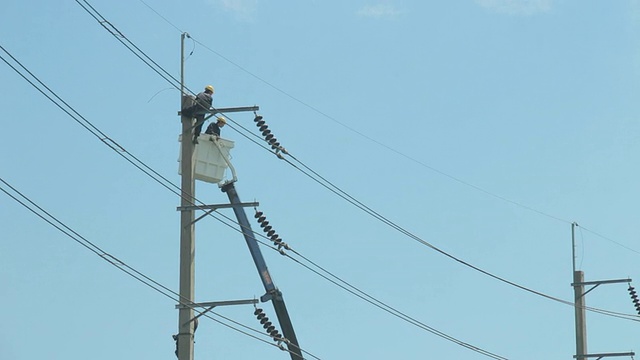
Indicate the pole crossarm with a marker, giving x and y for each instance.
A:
(217, 303)
(602, 282)
(216, 206)
(598, 283)
(234, 109)
(600, 356)
(211, 209)
(214, 111)
(211, 305)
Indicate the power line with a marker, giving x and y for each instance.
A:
(371, 212)
(311, 107)
(96, 131)
(336, 190)
(120, 150)
(111, 144)
(47, 217)
(361, 134)
(609, 239)
(121, 265)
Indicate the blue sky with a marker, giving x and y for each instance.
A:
(484, 128)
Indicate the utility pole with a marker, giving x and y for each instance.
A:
(187, 322)
(580, 307)
(579, 302)
(184, 345)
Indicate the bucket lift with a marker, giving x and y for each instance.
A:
(212, 157)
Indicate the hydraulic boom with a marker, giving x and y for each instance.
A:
(272, 293)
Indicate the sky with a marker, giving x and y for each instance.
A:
(475, 131)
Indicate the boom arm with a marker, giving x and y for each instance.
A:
(272, 293)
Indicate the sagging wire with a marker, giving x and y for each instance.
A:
(313, 175)
(109, 142)
(116, 262)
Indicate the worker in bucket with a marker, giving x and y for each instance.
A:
(202, 105)
(214, 128)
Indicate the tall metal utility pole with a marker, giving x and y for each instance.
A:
(580, 307)
(187, 234)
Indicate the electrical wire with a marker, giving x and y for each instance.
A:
(359, 133)
(47, 217)
(336, 190)
(120, 149)
(330, 186)
(107, 141)
(609, 239)
(371, 212)
(361, 294)
(305, 104)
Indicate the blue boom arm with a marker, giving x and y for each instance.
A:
(272, 293)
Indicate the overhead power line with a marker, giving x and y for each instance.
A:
(333, 188)
(147, 170)
(381, 218)
(322, 113)
(47, 217)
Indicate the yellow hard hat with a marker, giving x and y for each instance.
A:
(209, 87)
(222, 120)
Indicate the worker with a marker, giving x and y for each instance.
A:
(214, 128)
(202, 105)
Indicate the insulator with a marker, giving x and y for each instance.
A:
(264, 223)
(271, 328)
(267, 324)
(262, 218)
(260, 316)
(268, 228)
(272, 140)
(268, 137)
(264, 320)
(277, 241)
(275, 145)
(258, 311)
(260, 123)
(271, 232)
(257, 118)
(266, 132)
(264, 127)
(258, 214)
(274, 237)
(275, 334)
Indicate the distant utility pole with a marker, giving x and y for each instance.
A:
(580, 307)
